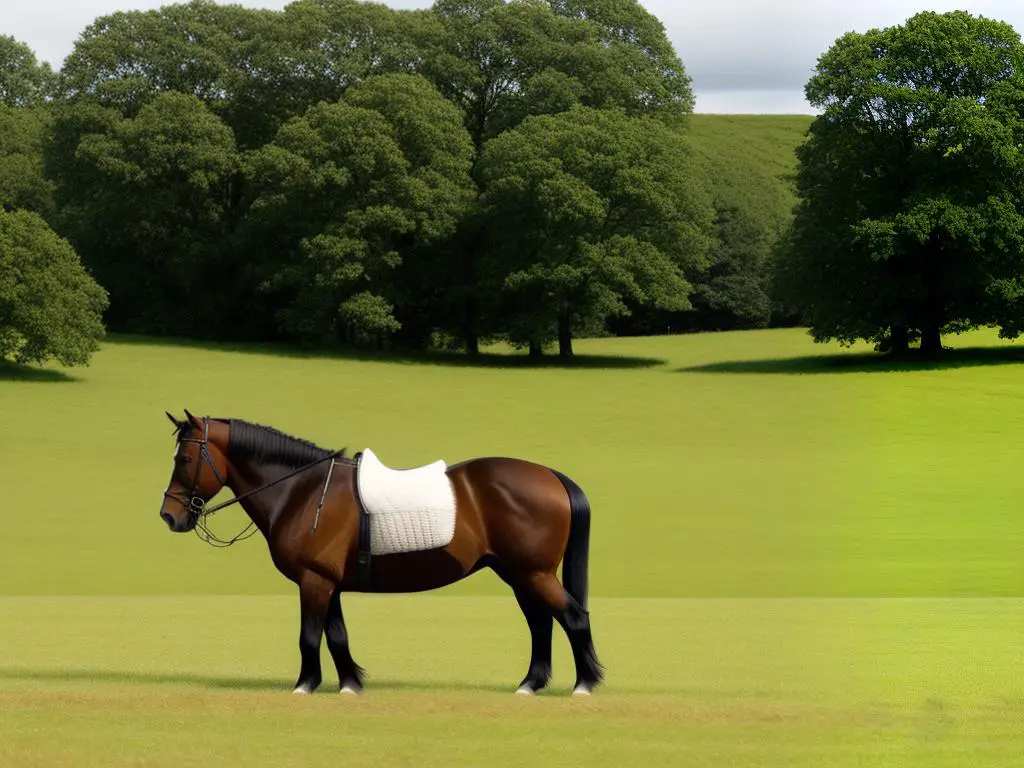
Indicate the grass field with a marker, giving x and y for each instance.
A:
(800, 557)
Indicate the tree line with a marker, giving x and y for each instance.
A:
(517, 170)
(341, 171)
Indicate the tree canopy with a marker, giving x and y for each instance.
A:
(910, 184)
(50, 307)
(585, 209)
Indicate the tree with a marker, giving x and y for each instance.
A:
(24, 81)
(908, 222)
(143, 199)
(350, 193)
(50, 307)
(501, 61)
(585, 210)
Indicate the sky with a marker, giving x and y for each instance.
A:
(744, 56)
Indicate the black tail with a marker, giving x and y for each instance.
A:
(577, 551)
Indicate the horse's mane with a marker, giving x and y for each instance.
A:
(266, 444)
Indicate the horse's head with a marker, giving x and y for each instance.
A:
(200, 471)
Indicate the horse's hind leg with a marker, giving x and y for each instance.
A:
(350, 674)
(541, 623)
(575, 620)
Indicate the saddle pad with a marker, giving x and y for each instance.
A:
(409, 509)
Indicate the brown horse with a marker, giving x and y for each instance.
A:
(516, 517)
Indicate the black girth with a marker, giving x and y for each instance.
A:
(364, 566)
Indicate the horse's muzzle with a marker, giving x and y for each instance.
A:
(174, 525)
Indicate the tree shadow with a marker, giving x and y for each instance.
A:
(868, 362)
(433, 357)
(12, 372)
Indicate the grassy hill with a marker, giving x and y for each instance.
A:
(748, 161)
(750, 151)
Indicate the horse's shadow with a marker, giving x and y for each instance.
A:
(232, 683)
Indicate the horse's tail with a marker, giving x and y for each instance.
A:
(575, 563)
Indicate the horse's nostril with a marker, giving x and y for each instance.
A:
(168, 519)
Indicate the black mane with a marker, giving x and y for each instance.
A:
(266, 444)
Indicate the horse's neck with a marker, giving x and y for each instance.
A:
(263, 506)
(247, 478)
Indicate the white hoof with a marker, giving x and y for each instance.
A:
(348, 690)
(525, 690)
(302, 689)
(581, 690)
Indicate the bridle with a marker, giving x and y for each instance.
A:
(196, 506)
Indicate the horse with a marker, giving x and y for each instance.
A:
(313, 506)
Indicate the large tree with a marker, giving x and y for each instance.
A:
(910, 182)
(585, 210)
(143, 199)
(50, 306)
(349, 195)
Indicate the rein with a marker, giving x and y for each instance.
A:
(196, 504)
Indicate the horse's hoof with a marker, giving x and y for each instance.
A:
(348, 690)
(525, 690)
(581, 690)
(302, 689)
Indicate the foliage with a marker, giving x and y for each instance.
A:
(503, 61)
(143, 200)
(585, 209)
(23, 181)
(24, 81)
(351, 191)
(910, 185)
(50, 307)
(201, 159)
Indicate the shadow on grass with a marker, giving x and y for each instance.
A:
(11, 372)
(282, 685)
(267, 684)
(868, 362)
(453, 359)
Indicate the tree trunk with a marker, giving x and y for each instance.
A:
(536, 350)
(899, 340)
(564, 336)
(469, 325)
(931, 340)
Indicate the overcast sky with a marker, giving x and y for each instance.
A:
(745, 56)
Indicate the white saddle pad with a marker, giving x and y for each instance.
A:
(410, 509)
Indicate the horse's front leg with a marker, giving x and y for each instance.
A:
(314, 597)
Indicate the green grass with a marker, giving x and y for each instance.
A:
(735, 466)
(702, 682)
(801, 556)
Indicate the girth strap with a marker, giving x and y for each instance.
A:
(363, 562)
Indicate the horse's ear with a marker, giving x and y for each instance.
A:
(174, 421)
(193, 419)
